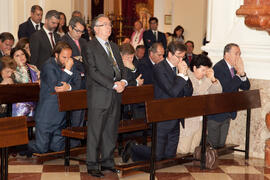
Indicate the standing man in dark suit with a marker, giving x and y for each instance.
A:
(6, 43)
(73, 38)
(57, 75)
(189, 55)
(146, 65)
(153, 35)
(43, 41)
(231, 74)
(170, 80)
(106, 80)
(33, 23)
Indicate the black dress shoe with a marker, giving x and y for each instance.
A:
(95, 173)
(127, 151)
(103, 168)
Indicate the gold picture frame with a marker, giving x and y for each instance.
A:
(168, 19)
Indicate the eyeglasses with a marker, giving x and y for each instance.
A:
(178, 57)
(105, 24)
(78, 31)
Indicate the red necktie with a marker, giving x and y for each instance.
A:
(189, 58)
(78, 44)
(51, 35)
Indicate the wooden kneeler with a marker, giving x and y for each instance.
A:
(13, 132)
(175, 108)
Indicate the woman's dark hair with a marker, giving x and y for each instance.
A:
(126, 48)
(7, 62)
(200, 60)
(12, 52)
(64, 27)
(22, 42)
(177, 29)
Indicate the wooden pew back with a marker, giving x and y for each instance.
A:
(13, 131)
(174, 108)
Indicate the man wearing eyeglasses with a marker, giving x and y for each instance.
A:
(106, 80)
(73, 38)
(170, 81)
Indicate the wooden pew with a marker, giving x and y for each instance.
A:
(174, 108)
(76, 100)
(25, 92)
(13, 132)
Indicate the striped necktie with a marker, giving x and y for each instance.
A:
(113, 62)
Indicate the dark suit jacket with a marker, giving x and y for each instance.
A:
(131, 76)
(229, 84)
(80, 67)
(145, 67)
(187, 60)
(40, 47)
(167, 84)
(26, 29)
(51, 75)
(100, 74)
(149, 39)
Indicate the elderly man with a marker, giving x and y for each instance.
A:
(231, 74)
(146, 65)
(106, 80)
(33, 23)
(6, 43)
(43, 41)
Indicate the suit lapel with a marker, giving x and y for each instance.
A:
(169, 69)
(75, 49)
(227, 70)
(46, 39)
(102, 51)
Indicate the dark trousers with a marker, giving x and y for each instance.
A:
(77, 120)
(102, 132)
(167, 141)
(48, 138)
(217, 132)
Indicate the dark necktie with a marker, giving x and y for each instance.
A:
(174, 70)
(232, 72)
(51, 36)
(155, 34)
(37, 27)
(113, 62)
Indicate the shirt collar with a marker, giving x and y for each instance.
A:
(101, 41)
(151, 61)
(171, 65)
(46, 30)
(34, 23)
(229, 66)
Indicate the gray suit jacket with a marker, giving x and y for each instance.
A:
(100, 73)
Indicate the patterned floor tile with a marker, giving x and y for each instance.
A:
(61, 176)
(108, 176)
(174, 169)
(211, 176)
(199, 170)
(61, 168)
(24, 176)
(240, 170)
(174, 176)
(248, 177)
(25, 168)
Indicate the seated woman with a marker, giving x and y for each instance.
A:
(7, 68)
(133, 77)
(24, 44)
(25, 73)
(204, 82)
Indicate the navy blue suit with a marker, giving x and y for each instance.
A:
(26, 29)
(229, 84)
(49, 121)
(145, 67)
(166, 85)
(149, 38)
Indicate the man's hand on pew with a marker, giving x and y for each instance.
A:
(64, 87)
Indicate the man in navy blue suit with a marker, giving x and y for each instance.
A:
(170, 80)
(58, 74)
(153, 35)
(33, 23)
(146, 65)
(231, 74)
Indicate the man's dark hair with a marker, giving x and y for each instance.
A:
(12, 52)
(228, 47)
(200, 60)
(52, 13)
(74, 20)
(95, 20)
(153, 19)
(60, 45)
(154, 47)
(176, 46)
(126, 48)
(191, 42)
(36, 7)
(140, 47)
(6, 36)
